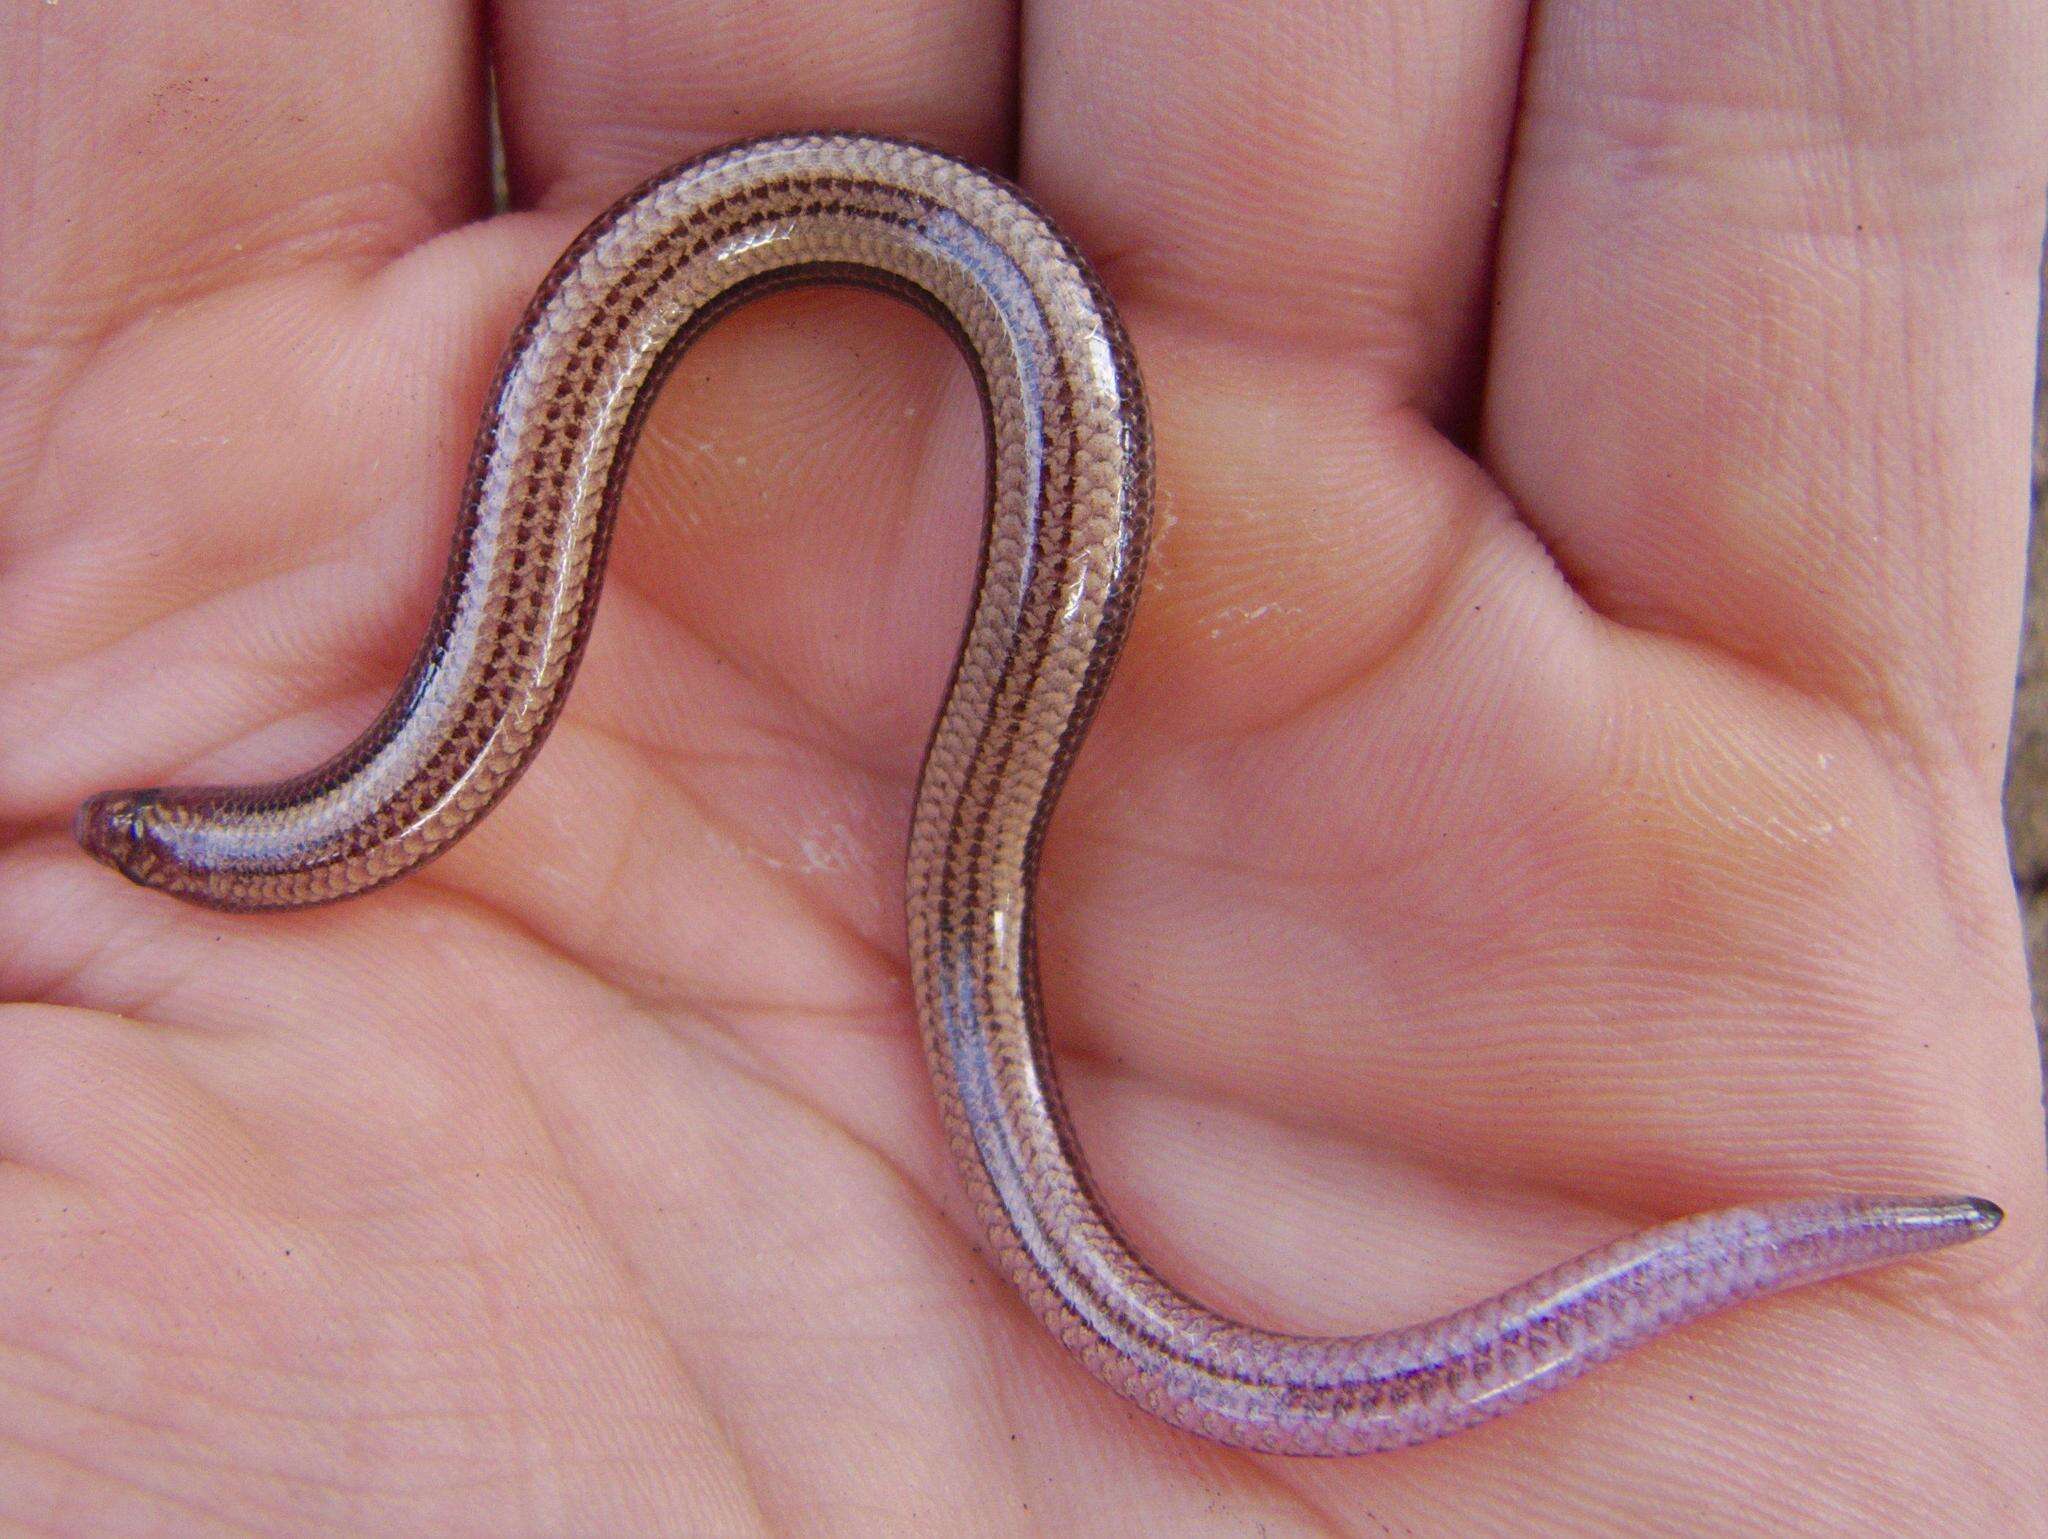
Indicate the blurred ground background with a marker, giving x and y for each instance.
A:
(2026, 786)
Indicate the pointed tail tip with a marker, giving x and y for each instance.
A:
(1980, 1215)
(1954, 1220)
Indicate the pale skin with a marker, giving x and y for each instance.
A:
(1552, 785)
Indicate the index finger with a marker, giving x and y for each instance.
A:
(154, 148)
(597, 95)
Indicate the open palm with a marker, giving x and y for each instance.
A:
(1551, 787)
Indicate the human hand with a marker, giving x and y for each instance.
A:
(1478, 857)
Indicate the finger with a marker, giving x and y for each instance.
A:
(153, 146)
(1293, 205)
(149, 444)
(1760, 372)
(1319, 173)
(599, 94)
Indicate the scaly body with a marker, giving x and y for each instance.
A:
(1069, 500)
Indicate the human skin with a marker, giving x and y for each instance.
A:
(1552, 784)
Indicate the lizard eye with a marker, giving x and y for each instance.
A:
(121, 829)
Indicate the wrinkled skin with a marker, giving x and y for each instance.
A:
(1552, 785)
